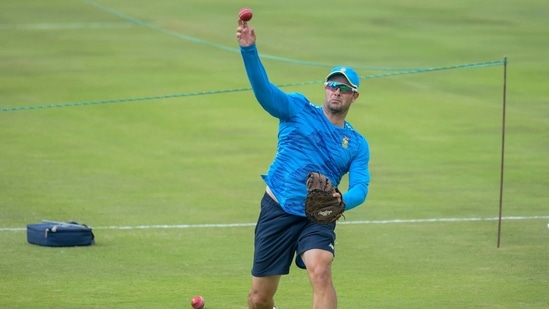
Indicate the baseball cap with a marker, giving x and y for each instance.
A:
(350, 74)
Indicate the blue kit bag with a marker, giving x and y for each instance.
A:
(59, 234)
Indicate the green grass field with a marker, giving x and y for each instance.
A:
(135, 118)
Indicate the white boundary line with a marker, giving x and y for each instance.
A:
(226, 225)
(67, 26)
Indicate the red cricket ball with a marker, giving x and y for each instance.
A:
(198, 302)
(245, 14)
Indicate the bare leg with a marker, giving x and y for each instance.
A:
(262, 293)
(319, 268)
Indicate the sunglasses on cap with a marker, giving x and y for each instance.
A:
(343, 88)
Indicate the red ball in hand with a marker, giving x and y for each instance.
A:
(245, 14)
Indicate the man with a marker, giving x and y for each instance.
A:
(311, 138)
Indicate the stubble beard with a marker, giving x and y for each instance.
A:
(335, 108)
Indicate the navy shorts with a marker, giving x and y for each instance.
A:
(280, 236)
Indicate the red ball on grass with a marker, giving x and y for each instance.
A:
(198, 302)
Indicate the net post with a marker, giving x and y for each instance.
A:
(502, 149)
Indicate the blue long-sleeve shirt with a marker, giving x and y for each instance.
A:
(307, 142)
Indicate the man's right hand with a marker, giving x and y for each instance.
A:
(244, 34)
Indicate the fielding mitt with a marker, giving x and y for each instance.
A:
(320, 204)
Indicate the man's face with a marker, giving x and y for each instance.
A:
(339, 95)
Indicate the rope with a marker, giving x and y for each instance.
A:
(200, 93)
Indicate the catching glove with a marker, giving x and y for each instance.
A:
(320, 204)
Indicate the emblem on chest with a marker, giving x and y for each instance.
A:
(345, 142)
